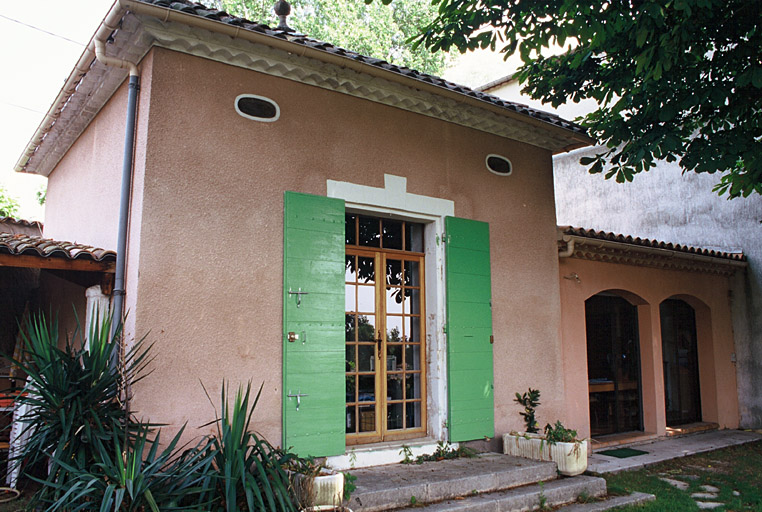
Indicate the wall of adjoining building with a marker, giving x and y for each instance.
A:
(665, 204)
(647, 288)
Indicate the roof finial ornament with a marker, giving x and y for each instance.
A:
(283, 9)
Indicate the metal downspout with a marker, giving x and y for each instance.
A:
(104, 32)
(124, 202)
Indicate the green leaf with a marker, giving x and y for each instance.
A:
(642, 35)
(756, 79)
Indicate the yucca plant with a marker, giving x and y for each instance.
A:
(73, 394)
(249, 470)
(136, 478)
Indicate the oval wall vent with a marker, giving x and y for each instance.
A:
(257, 108)
(499, 165)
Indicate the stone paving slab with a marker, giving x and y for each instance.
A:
(670, 448)
(636, 498)
(392, 485)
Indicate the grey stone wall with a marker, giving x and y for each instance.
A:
(665, 204)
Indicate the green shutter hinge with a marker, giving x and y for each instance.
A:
(444, 239)
(444, 328)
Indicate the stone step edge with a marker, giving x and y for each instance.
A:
(529, 497)
(463, 486)
(635, 498)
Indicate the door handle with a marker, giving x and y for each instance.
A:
(378, 342)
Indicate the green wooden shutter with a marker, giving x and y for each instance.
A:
(313, 365)
(469, 328)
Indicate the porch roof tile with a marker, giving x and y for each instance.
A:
(22, 244)
(646, 242)
(20, 222)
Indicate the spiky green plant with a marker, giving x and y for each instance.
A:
(74, 394)
(249, 470)
(136, 478)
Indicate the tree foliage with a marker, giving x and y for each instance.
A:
(376, 30)
(674, 79)
(9, 207)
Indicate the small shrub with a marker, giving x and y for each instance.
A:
(529, 401)
(444, 451)
(349, 485)
(559, 434)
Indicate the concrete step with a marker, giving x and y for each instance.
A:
(529, 497)
(394, 485)
(636, 498)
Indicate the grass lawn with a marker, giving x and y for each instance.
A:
(738, 469)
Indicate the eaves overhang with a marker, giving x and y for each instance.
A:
(610, 247)
(295, 57)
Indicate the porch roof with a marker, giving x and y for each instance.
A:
(612, 247)
(30, 251)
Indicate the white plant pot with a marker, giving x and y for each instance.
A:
(323, 490)
(570, 458)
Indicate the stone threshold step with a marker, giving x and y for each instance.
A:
(530, 497)
(394, 485)
(636, 498)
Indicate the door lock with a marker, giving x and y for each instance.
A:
(298, 397)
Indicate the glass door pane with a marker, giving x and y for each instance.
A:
(613, 365)
(403, 300)
(680, 358)
(361, 340)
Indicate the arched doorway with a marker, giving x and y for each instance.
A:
(613, 365)
(682, 396)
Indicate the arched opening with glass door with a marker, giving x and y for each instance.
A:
(680, 355)
(613, 364)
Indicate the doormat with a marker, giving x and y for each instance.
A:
(623, 453)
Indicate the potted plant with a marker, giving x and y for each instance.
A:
(316, 487)
(558, 444)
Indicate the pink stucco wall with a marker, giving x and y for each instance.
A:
(82, 203)
(210, 258)
(647, 288)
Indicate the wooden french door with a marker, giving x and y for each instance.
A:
(385, 320)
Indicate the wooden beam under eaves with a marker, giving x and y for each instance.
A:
(54, 263)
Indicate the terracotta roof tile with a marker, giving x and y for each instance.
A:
(21, 244)
(198, 9)
(646, 242)
(20, 222)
